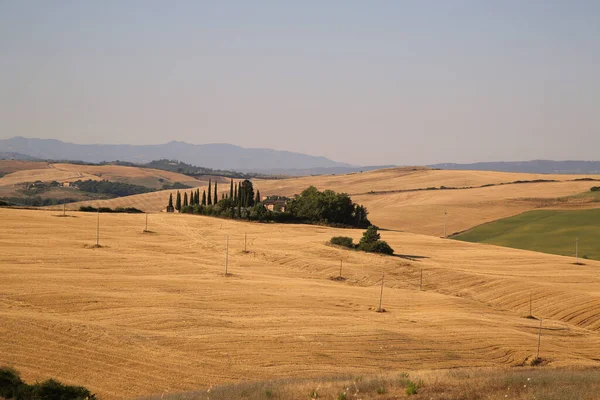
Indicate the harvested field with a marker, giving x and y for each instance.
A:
(152, 313)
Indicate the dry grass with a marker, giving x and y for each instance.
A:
(460, 384)
(151, 314)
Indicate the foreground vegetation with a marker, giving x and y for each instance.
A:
(370, 242)
(13, 387)
(461, 384)
(546, 231)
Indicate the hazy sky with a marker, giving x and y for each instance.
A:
(365, 82)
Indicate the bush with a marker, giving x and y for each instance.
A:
(342, 241)
(379, 246)
(595, 189)
(12, 387)
(412, 388)
(130, 210)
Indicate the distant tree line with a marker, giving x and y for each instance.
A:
(36, 201)
(109, 188)
(129, 210)
(242, 202)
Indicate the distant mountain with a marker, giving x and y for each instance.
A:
(217, 156)
(11, 155)
(535, 166)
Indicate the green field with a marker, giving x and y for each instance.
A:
(546, 231)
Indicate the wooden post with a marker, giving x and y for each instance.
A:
(421, 284)
(98, 229)
(146, 230)
(341, 260)
(245, 238)
(577, 250)
(226, 255)
(381, 295)
(539, 340)
(530, 314)
(64, 210)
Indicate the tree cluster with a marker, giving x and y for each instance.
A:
(242, 202)
(113, 189)
(327, 207)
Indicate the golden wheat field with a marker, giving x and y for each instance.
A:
(153, 313)
(396, 203)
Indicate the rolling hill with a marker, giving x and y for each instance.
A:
(398, 198)
(547, 231)
(152, 313)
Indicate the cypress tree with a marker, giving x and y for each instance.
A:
(216, 198)
(231, 189)
(198, 196)
(178, 202)
(240, 194)
(257, 197)
(185, 199)
(191, 198)
(209, 200)
(235, 195)
(170, 200)
(204, 197)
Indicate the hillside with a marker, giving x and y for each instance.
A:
(396, 198)
(547, 231)
(217, 156)
(534, 167)
(152, 313)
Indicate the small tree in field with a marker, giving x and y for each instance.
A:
(178, 202)
(371, 243)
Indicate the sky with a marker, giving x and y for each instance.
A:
(363, 82)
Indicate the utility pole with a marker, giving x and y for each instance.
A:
(341, 260)
(226, 255)
(146, 230)
(381, 295)
(530, 314)
(445, 221)
(576, 250)
(421, 284)
(98, 230)
(64, 209)
(245, 237)
(539, 340)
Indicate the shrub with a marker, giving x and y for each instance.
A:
(381, 390)
(10, 383)
(344, 241)
(341, 396)
(595, 189)
(12, 387)
(412, 387)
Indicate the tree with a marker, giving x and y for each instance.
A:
(370, 242)
(170, 206)
(231, 190)
(239, 198)
(185, 199)
(235, 194)
(178, 202)
(204, 197)
(198, 196)
(247, 194)
(216, 200)
(209, 199)
(257, 200)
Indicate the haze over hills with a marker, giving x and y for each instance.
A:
(217, 156)
(534, 166)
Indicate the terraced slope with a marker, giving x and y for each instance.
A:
(152, 313)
